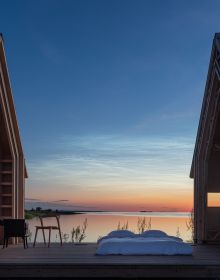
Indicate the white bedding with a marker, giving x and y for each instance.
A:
(143, 246)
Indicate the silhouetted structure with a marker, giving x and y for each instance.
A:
(15, 228)
(206, 159)
(12, 163)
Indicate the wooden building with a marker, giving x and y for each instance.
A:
(12, 163)
(206, 160)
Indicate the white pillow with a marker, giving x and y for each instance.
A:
(153, 233)
(121, 233)
(175, 238)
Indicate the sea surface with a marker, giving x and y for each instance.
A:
(101, 223)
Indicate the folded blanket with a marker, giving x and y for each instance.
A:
(143, 246)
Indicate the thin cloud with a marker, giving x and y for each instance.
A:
(168, 118)
(31, 199)
(112, 163)
(61, 200)
(50, 52)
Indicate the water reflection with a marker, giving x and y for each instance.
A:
(100, 224)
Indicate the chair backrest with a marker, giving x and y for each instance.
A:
(58, 220)
(14, 227)
(50, 216)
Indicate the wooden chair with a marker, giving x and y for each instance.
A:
(50, 228)
(15, 228)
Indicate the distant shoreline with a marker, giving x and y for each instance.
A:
(30, 214)
(33, 213)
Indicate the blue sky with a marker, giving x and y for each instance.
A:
(108, 96)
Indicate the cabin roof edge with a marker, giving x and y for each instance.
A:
(10, 98)
(215, 44)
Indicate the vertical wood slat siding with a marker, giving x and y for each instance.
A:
(204, 143)
(9, 115)
(14, 148)
(11, 144)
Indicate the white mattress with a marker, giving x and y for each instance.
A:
(143, 246)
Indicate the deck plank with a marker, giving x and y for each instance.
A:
(80, 261)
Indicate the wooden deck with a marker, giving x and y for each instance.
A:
(80, 261)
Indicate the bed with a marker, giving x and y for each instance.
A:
(148, 243)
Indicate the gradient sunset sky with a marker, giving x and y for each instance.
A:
(108, 96)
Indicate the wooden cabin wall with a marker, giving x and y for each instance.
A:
(213, 185)
(213, 182)
(206, 174)
(21, 188)
(213, 212)
(12, 165)
(6, 185)
(200, 202)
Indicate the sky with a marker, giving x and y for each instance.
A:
(108, 96)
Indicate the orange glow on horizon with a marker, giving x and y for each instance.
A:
(175, 201)
(139, 202)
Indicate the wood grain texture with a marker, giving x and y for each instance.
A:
(78, 261)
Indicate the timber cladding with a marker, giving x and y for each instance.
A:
(12, 164)
(206, 158)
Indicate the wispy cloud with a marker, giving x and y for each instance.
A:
(165, 118)
(51, 53)
(31, 199)
(108, 164)
(61, 200)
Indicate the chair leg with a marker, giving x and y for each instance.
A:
(61, 242)
(49, 237)
(23, 238)
(7, 242)
(4, 244)
(35, 237)
(26, 241)
(44, 236)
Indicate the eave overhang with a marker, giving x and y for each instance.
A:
(10, 99)
(214, 64)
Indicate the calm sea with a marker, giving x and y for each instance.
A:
(101, 223)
